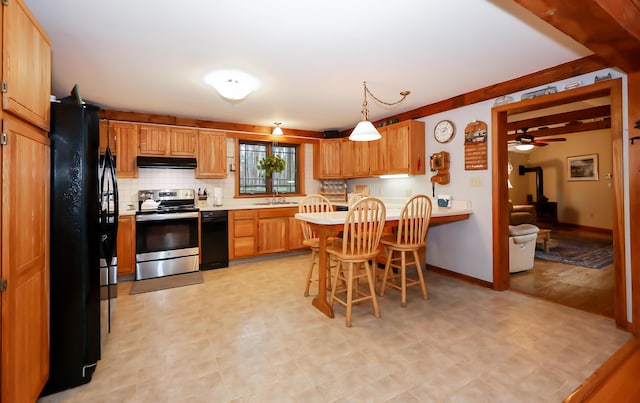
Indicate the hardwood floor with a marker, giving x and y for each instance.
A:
(590, 290)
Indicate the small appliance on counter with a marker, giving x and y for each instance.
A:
(444, 201)
(217, 197)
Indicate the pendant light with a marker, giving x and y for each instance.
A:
(277, 131)
(364, 130)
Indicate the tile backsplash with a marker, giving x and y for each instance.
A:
(158, 178)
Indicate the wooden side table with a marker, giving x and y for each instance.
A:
(545, 236)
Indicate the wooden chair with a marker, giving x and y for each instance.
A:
(360, 244)
(355, 197)
(410, 237)
(313, 203)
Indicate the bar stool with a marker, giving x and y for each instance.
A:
(313, 203)
(411, 236)
(361, 237)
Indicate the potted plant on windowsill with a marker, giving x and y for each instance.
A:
(270, 164)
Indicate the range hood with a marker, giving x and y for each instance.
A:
(167, 162)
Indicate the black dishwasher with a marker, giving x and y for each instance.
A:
(214, 243)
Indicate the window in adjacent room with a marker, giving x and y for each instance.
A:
(252, 181)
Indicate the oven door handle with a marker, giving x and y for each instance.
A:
(164, 217)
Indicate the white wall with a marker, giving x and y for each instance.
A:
(588, 203)
(464, 247)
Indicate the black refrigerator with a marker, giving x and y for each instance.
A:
(84, 218)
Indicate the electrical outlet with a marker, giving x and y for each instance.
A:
(407, 192)
(475, 181)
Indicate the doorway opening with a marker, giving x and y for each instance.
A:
(506, 120)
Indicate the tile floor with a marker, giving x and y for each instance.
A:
(248, 335)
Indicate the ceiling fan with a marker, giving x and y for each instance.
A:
(524, 141)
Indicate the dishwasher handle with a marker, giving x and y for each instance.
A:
(215, 216)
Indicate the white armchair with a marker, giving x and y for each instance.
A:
(522, 247)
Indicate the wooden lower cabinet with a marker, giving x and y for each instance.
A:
(242, 233)
(272, 233)
(126, 245)
(295, 235)
(263, 231)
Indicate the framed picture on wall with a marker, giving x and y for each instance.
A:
(582, 168)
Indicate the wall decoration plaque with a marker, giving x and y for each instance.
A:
(475, 146)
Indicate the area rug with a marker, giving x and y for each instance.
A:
(163, 283)
(579, 251)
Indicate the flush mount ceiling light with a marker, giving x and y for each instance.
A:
(365, 131)
(233, 85)
(277, 131)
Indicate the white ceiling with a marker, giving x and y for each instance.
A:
(311, 57)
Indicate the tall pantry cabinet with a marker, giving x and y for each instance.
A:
(24, 212)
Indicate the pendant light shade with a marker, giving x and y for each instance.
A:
(364, 131)
(277, 131)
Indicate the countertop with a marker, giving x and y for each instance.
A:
(338, 217)
(392, 204)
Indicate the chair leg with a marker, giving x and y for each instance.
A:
(372, 289)
(314, 260)
(403, 277)
(387, 267)
(423, 284)
(349, 293)
(335, 283)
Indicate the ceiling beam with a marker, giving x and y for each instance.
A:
(609, 28)
(565, 117)
(203, 124)
(569, 128)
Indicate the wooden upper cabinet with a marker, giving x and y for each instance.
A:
(126, 138)
(378, 155)
(212, 154)
(327, 158)
(360, 158)
(405, 144)
(182, 142)
(346, 165)
(107, 137)
(26, 65)
(153, 140)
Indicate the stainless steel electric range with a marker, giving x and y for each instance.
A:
(166, 233)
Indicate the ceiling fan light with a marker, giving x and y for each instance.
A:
(364, 131)
(524, 147)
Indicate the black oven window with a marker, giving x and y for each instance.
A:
(155, 236)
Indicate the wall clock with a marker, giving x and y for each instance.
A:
(443, 132)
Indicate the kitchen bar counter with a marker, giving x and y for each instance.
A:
(329, 224)
(460, 207)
